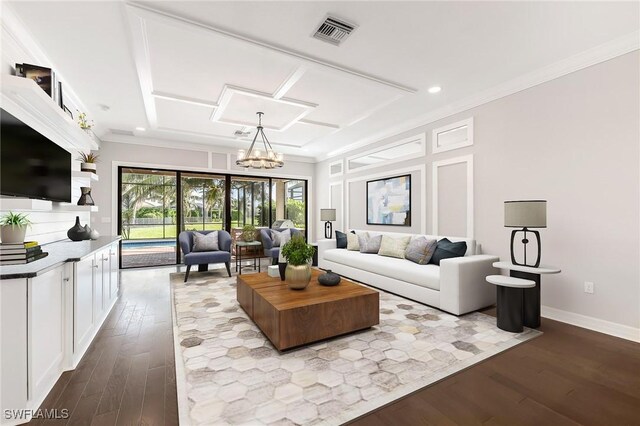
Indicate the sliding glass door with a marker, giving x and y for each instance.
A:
(148, 217)
(155, 205)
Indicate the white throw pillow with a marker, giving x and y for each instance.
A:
(353, 242)
(205, 242)
(277, 237)
(393, 247)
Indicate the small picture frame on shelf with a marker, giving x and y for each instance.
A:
(43, 76)
(68, 111)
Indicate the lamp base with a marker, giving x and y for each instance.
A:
(328, 230)
(525, 241)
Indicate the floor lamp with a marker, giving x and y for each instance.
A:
(328, 216)
(525, 214)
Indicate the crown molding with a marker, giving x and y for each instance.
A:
(590, 57)
(189, 146)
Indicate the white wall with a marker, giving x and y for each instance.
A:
(202, 159)
(573, 141)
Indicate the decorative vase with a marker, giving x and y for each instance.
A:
(88, 167)
(94, 234)
(12, 234)
(297, 276)
(77, 232)
(85, 198)
(329, 278)
(281, 268)
(87, 232)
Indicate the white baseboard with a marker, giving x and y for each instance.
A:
(595, 324)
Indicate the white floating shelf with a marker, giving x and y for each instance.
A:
(33, 106)
(75, 208)
(85, 175)
(25, 204)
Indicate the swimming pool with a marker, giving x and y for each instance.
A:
(148, 243)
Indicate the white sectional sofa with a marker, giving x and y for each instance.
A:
(457, 286)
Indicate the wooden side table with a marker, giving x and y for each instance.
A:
(251, 250)
(531, 295)
(510, 301)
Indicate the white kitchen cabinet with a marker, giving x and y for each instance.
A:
(114, 271)
(83, 318)
(100, 304)
(46, 331)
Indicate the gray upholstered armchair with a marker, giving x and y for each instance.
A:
(204, 258)
(267, 243)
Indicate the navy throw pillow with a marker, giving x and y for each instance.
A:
(445, 249)
(341, 240)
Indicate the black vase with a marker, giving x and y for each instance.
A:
(77, 232)
(329, 278)
(85, 198)
(281, 268)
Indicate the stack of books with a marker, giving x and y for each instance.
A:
(20, 254)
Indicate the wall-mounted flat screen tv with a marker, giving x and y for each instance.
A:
(31, 165)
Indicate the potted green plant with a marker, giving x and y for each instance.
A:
(248, 233)
(298, 254)
(13, 227)
(88, 162)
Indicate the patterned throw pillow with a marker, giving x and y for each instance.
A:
(369, 244)
(420, 250)
(205, 242)
(276, 237)
(445, 249)
(352, 241)
(394, 247)
(341, 240)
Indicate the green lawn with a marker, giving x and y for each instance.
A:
(155, 232)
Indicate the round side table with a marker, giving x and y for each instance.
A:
(510, 301)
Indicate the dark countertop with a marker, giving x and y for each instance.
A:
(60, 252)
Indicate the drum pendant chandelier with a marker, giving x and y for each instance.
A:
(255, 157)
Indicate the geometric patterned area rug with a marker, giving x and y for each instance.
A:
(229, 373)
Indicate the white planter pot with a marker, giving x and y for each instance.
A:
(88, 167)
(12, 234)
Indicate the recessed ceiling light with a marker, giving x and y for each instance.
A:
(435, 89)
(140, 129)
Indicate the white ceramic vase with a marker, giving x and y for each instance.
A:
(13, 234)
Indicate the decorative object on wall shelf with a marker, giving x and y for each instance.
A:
(389, 201)
(85, 198)
(79, 232)
(254, 157)
(88, 162)
(13, 228)
(298, 254)
(83, 122)
(68, 111)
(328, 216)
(44, 77)
(329, 278)
(525, 214)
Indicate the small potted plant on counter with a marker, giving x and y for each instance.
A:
(298, 254)
(248, 233)
(13, 227)
(88, 162)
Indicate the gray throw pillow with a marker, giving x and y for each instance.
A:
(276, 237)
(369, 244)
(420, 250)
(205, 242)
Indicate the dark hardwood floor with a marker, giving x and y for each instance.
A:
(567, 376)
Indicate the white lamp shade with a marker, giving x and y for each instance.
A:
(327, 214)
(525, 214)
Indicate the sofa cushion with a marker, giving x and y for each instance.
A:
(205, 242)
(204, 257)
(393, 247)
(341, 240)
(420, 250)
(401, 269)
(352, 241)
(277, 237)
(445, 249)
(369, 244)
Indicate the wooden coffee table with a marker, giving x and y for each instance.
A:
(291, 318)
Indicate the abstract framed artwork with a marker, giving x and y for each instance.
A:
(389, 201)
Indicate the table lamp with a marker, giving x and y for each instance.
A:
(327, 215)
(525, 214)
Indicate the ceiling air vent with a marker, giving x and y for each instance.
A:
(333, 30)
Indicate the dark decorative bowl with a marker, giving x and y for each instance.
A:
(329, 279)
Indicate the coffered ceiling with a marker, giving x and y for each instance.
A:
(199, 71)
